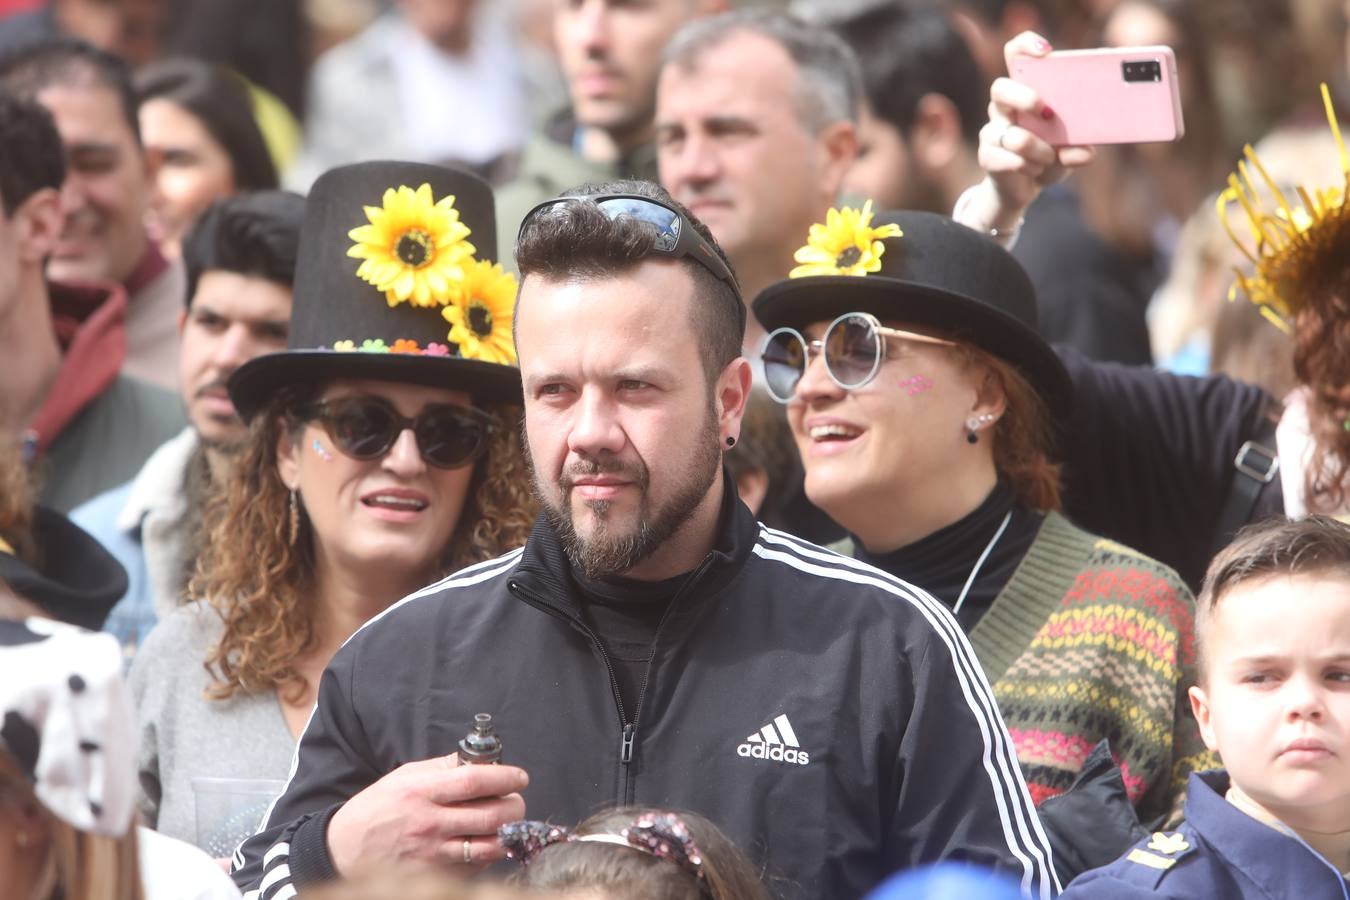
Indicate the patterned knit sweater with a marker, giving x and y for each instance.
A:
(1091, 640)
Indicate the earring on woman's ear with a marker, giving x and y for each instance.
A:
(972, 430)
(295, 518)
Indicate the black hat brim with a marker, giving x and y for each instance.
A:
(76, 580)
(797, 302)
(254, 384)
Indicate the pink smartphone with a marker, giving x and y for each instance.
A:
(1110, 95)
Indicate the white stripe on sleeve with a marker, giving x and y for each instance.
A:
(1021, 827)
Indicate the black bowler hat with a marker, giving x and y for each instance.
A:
(937, 273)
(396, 280)
(73, 578)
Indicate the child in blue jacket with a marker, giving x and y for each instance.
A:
(1273, 626)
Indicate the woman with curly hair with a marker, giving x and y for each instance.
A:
(383, 454)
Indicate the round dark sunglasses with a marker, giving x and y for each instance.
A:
(366, 428)
(854, 347)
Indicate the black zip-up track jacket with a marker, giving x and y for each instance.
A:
(830, 717)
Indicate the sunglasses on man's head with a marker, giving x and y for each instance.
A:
(675, 237)
(365, 428)
(854, 347)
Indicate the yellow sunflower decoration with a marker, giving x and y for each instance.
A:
(414, 247)
(481, 314)
(846, 244)
(1293, 242)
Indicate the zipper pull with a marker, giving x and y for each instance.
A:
(626, 748)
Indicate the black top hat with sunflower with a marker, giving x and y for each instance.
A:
(921, 269)
(396, 280)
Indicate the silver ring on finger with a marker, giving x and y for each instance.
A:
(468, 852)
(1003, 134)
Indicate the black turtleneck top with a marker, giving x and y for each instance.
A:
(625, 614)
(941, 562)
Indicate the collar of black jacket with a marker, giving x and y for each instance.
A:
(545, 571)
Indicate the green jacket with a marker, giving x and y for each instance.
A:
(107, 442)
(547, 169)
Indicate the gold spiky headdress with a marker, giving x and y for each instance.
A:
(1294, 243)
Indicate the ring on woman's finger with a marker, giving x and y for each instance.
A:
(1003, 134)
(468, 852)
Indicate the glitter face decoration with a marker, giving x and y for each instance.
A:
(321, 451)
(917, 384)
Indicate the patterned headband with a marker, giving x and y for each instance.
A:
(660, 834)
(65, 718)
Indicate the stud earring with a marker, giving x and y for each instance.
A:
(731, 441)
(974, 424)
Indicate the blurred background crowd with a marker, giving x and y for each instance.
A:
(329, 82)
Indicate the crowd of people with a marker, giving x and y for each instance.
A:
(669, 448)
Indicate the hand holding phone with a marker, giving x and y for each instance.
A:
(1110, 95)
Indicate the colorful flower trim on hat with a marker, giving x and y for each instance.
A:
(481, 314)
(846, 244)
(414, 248)
(1292, 241)
(401, 346)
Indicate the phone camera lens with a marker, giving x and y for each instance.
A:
(1142, 70)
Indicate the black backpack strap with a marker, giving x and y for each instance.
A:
(1257, 466)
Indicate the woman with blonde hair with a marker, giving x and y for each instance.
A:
(383, 454)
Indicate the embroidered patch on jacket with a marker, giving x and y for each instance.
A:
(1152, 860)
(1168, 843)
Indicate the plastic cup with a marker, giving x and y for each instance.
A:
(229, 810)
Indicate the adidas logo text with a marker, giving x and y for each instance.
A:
(775, 741)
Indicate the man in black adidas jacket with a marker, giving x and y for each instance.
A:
(652, 644)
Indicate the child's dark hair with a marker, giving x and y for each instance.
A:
(1272, 548)
(622, 871)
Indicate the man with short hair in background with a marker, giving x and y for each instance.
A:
(83, 425)
(756, 127)
(240, 259)
(610, 52)
(103, 238)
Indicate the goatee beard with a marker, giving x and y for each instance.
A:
(604, 555)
